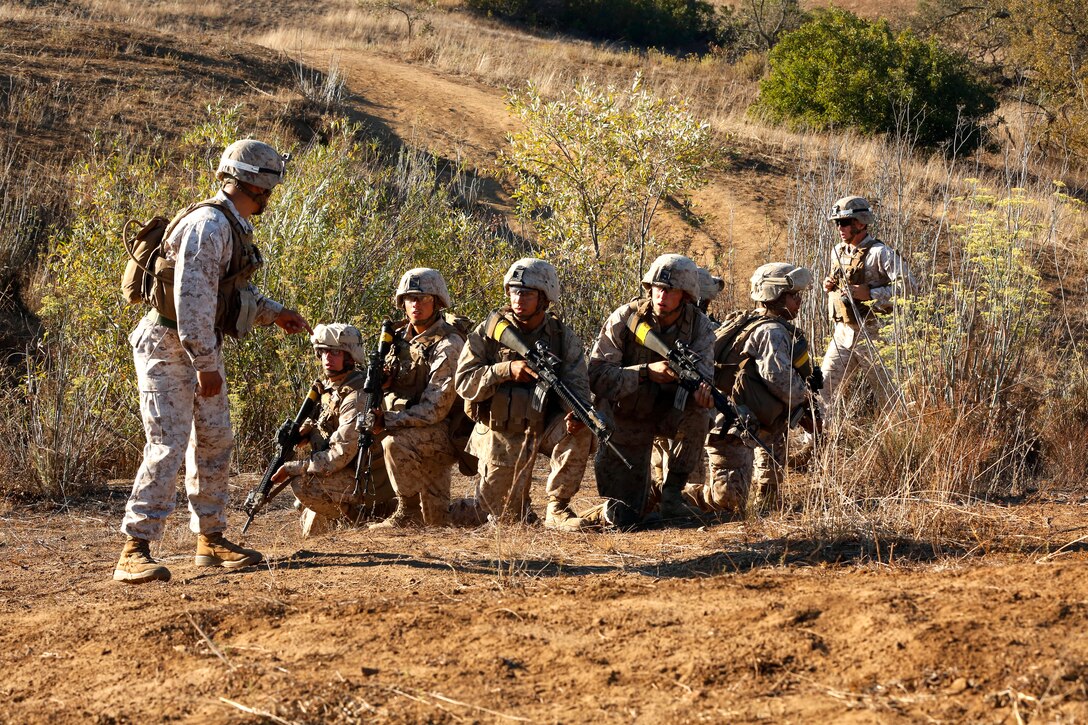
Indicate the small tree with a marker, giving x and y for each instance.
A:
(765, 21)
(413, 12)
(841, 70)
(1049, 38)
(593, 166)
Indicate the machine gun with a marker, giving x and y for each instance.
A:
(287, 437)
(372, 400)
(685, 363)
(545, 364)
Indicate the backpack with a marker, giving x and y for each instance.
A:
(728, 343)
(737, 375)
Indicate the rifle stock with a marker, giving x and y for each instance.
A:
(287, 437)
(545, 364)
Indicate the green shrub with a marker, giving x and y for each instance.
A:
(676, 24)
(839, 70)
(591, 169)
(341, 229)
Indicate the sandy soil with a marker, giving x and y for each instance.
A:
(742, 622)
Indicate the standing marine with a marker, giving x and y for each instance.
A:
(201, 293)
(865, 279)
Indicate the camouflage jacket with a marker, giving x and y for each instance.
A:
(201, 248)
(333, 439)
(422, 391)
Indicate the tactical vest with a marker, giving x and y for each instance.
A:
(650, 398)
(510, 409)
(236, 307)
(842, 309)
(748, 387)
(332, 398)
(410, 363)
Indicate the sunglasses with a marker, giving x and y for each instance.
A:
(843, 222)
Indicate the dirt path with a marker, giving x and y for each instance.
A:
(456, 118)
(724, 624)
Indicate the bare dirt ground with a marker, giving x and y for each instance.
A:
(745, 622)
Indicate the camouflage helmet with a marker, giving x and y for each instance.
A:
(534, 274)
(773, 280)
(852, 207)
(709, 285)
(253, 162)
(338, 336)
(676, 272)
(424, 281)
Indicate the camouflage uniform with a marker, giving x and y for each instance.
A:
(770, 345)
(852, 343)
(509, 434)
(643, 410)
(176, 418)
(418, 448)
(324, 481)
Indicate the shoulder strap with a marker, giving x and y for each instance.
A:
(750, 327)
(236, 233)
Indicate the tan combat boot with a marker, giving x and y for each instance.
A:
(314, 524)
(136, 565)
(214, 550)
(559, 516)
(402, 518)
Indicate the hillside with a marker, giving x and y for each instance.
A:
(854, 604)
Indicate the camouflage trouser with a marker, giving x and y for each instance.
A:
(658, 472)
(418, 462)
(334, 497)
(506, 466)
(848, 352)
(177, 422)
(734, 466)
(682, 454)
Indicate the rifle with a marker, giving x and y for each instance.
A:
(685, 363)
(815, 384)
(364, 417)
(287, 437)
(545, 364)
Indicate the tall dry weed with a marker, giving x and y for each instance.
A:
(968, 349)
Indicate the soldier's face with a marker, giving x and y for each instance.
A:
(851, 230)
(332, 361)
(791, 304)
(259, 196)
(524, 302)
(418, 308)
(666, 300)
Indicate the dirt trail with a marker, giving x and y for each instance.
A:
(459, 119)
(722, 624)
